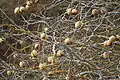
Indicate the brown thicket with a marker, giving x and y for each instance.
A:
(60, 40)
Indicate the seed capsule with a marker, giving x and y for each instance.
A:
(50, 59)
(60, 53)
(29, 3)
(22, 64)
(34, 53)
(21, 42)
(9, 73)
(69, 11)
(36, 1)
(43, 36)
(36, 45)
(28, 7)
(68, 41)
(106, 55)
(46, 29)
(1, 40)
(107, 43)
(22, 9)
(95, 12)
(15, 55)
(78, 24)
(118, 37)
(51, 73)
(68, 77)
(17, 10)
(42, 66)
(112, 39)
(74, 11)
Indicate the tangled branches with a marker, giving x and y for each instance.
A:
(64, 40)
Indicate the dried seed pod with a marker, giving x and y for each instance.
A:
(31, 8)
(68, 41)
(68, 77)
(106, 55)
(1, 40)
(50, 59)
(27, 7)
(21, 42)
(29, 3)
(74, 11)
(107, 43)
(42, 66)
(118, 37)
(22, 9)
(17, 10)
(112, 39)
(60, 53)
(69, 11)
(9, 72)
(22, 64)
(15, 55)
(46, 29)
(34, 53)
(36, 45)
(36, 1)
(95, 12)
(78, 24)
(51, 72)
(43, 36)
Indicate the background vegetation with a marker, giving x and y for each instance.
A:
(46, 43)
